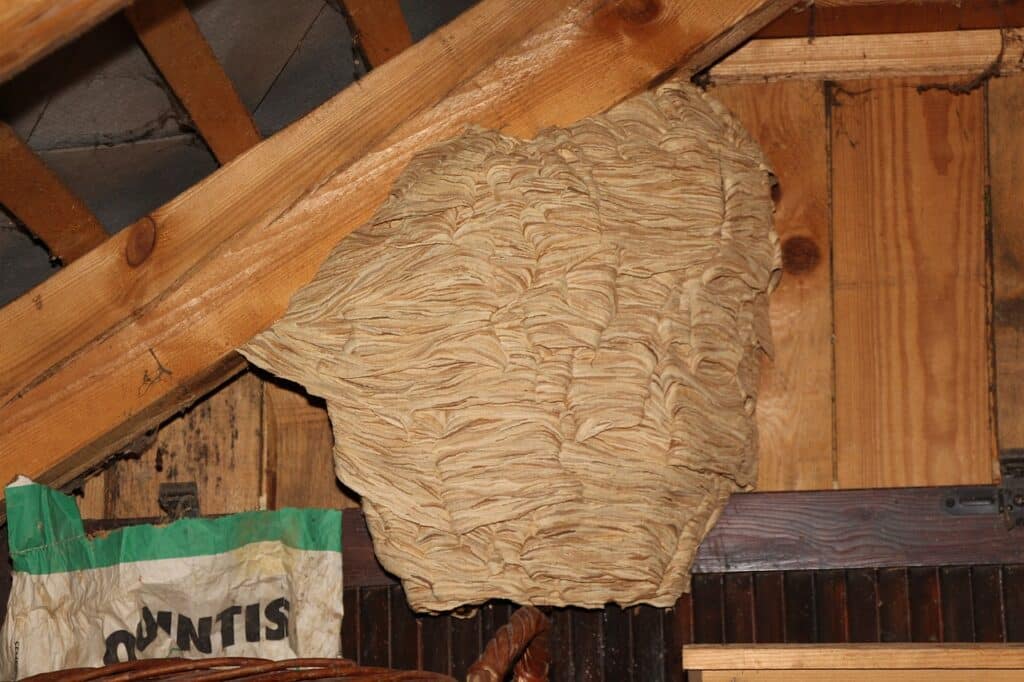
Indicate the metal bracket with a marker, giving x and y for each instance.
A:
(179, 500)
(1011, 488)
(1005, 499)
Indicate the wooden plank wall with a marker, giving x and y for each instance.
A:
(930, 604)
(883, 372)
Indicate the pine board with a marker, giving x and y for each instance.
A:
(910, 286)
(1006, 170)
(299, 458)
(794, 406)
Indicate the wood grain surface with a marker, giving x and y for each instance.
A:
(41, 200)
(378, 27)
(794, 405)
(1006, 173)
(910, 282)
(851, 529)
(177, 47)
(241, 271)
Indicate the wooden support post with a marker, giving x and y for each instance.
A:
(229, 271)
(378, 27)
(49, 209)
(170, 35)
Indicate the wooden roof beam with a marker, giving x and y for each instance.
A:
(31, 29)
(378, 28)
(173, 41)
(41, 200)
(229, 253)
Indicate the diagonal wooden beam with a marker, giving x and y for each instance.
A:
(229, 253)
(378, 27)
(173, 41)
(31, 29)
(41, 200)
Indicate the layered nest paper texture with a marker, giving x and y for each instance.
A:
(540, 357)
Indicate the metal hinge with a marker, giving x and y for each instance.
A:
(1005, 499)
(179, 500)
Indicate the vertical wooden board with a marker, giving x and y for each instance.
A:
(618, 644)
(708, 608)
(794, 407)
(648, 644)
(830, 600)
(217, 444)
(493, 615)
(769, 608)
(350, 624)
(925, 605)
(987, 597)
(1013, 602)
(800, 608)
(588, 644)
(563, 667)
(1006, 177)
(405, 639)
(299, 451)
(465, 639)
(374, 628)
(434, 631)
(862, 605)
(92, 502)
(893, 605)
(379, 28)
(957, 604)
(910, 283)
(739, 608)
(678, 624)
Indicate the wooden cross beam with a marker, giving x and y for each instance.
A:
(132, 332)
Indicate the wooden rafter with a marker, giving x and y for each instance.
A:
(170, 35)
(949, 53)
(76, 383)
(31, 29)
(378, 27)
(47, 207)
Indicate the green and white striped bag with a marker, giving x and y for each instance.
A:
(265, 584)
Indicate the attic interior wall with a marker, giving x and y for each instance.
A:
(882, 374)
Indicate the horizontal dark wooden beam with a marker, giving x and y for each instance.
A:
(895, 17)
(892, 527)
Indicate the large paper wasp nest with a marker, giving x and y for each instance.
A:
(539, 357)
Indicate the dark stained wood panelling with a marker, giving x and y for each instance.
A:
(800, 611)
(374, 627)
(466, 645)
(648, 643)
(986, 597)
(350, 624)
(708, 609)
(405, 639)
(769, 608)
(925, 605)
(436, 652)
(588, 644)
(618, 650)
(563, 667)
(862, 605)
(957, 604)
(739, 608)
(1013, 602)
(830, 603)
(893, 605)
